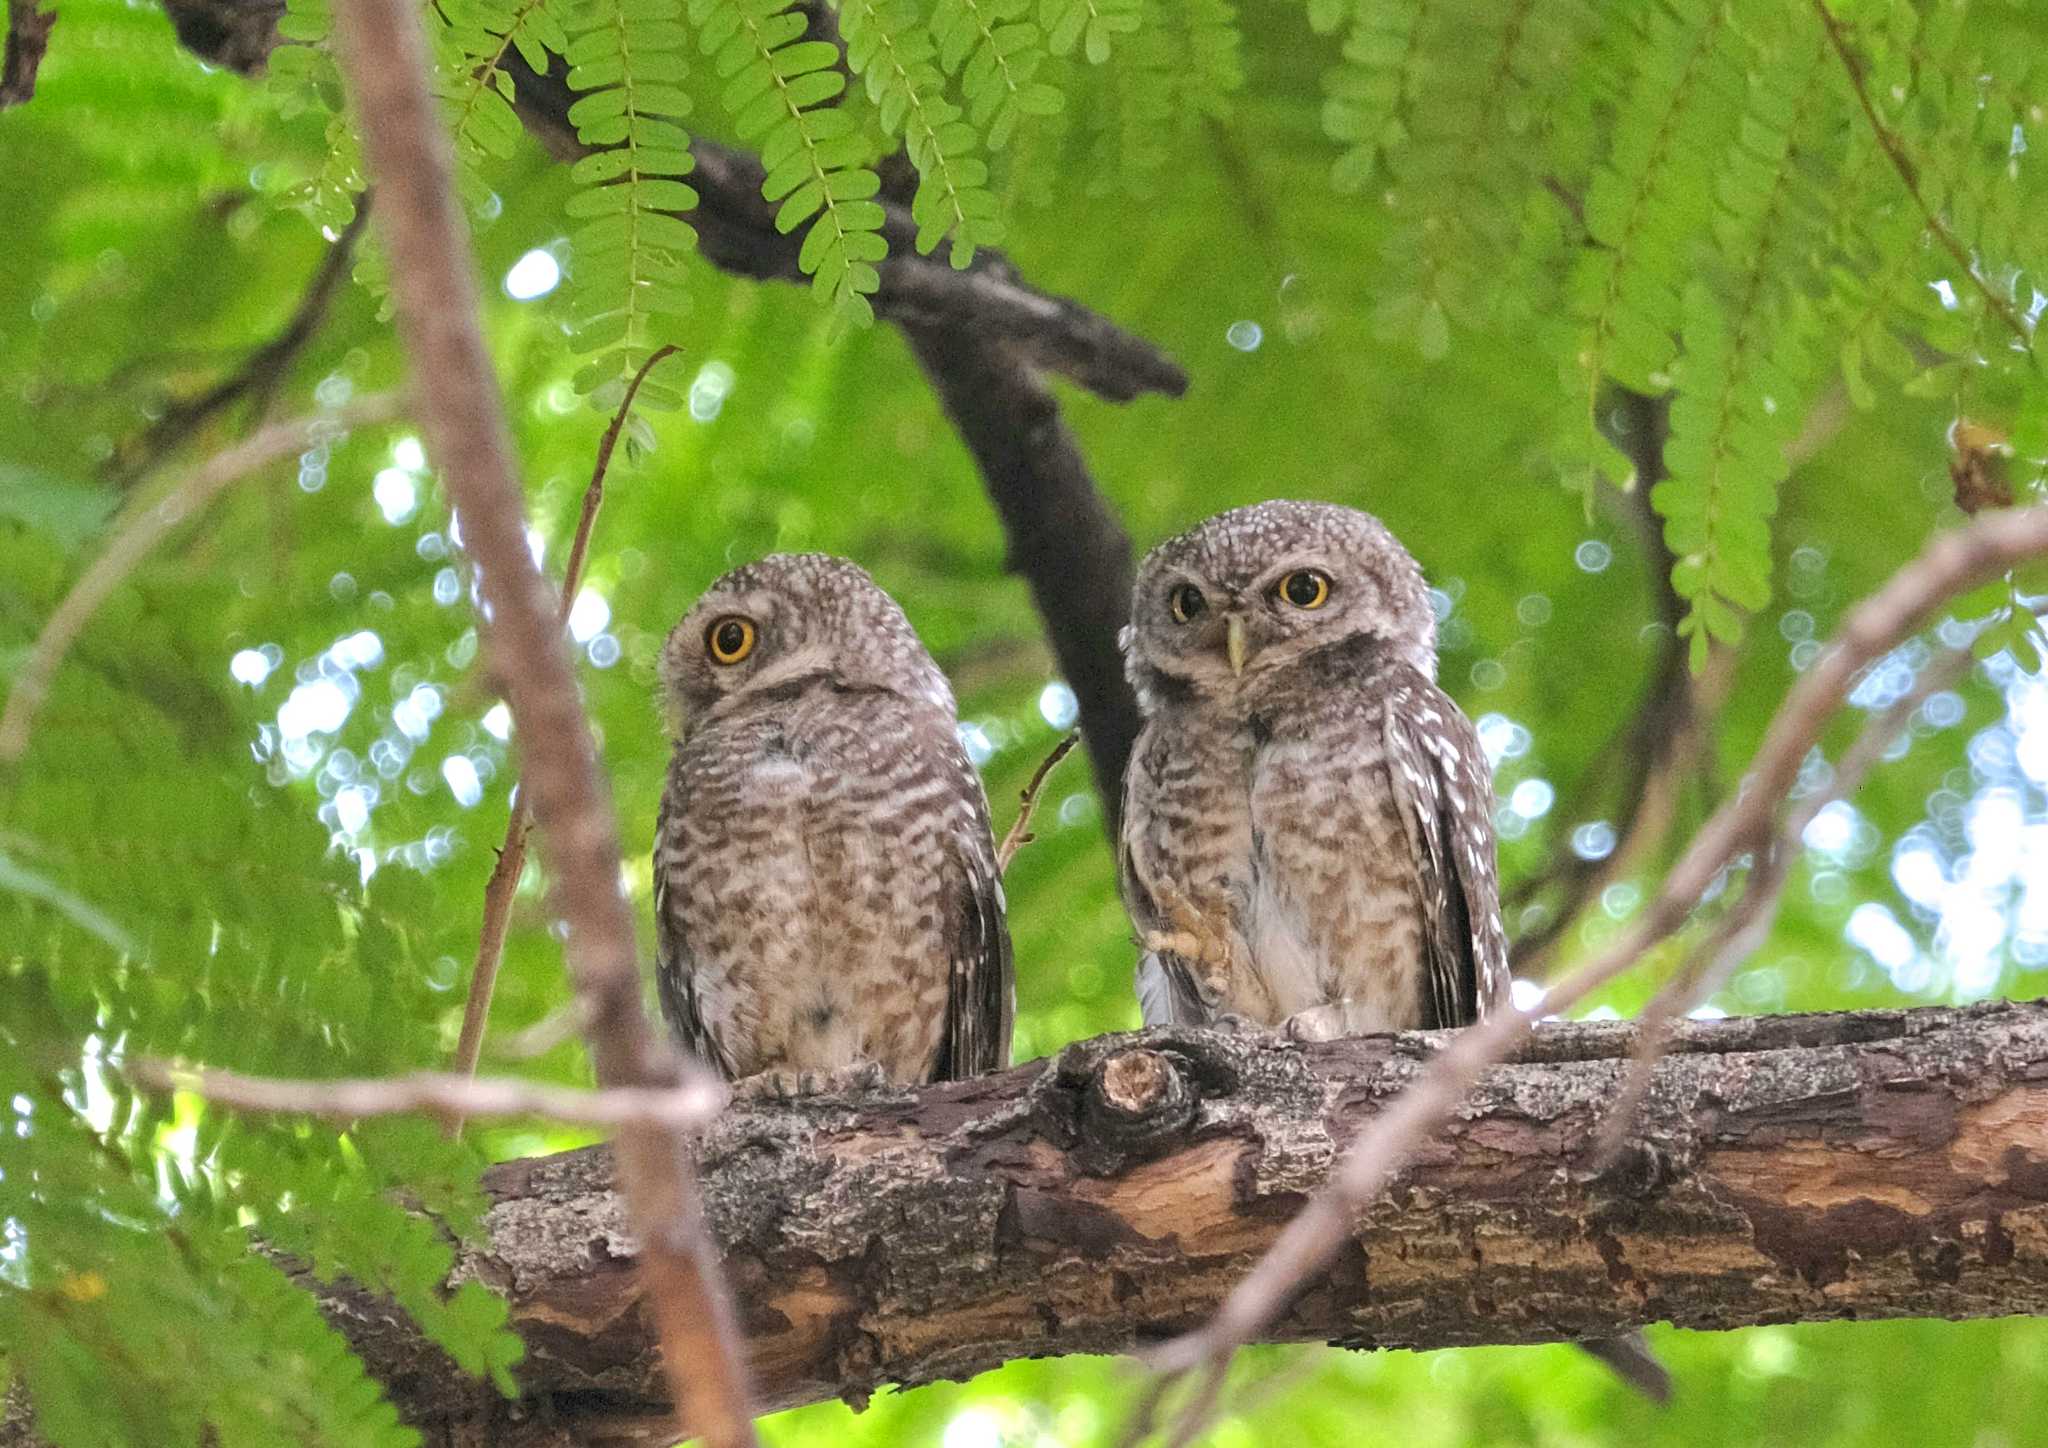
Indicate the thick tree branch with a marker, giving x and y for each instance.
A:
(410, 158)
(1786, 1168)
(736, 232)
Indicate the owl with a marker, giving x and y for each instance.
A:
(828, 911)
(1308, 818)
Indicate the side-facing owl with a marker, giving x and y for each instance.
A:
(827, 904)
(1308, 819)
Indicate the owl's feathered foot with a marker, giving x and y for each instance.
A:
(782, 1084)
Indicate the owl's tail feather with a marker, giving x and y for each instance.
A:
(1634, 1363)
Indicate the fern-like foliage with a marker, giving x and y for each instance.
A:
(1369, 91)
(1137, 130)
(1215, 68)
(1090, 24)
(1748, 347)
(627, 283)
(303, 76)
(997, 52)
(215, 1344)
(473, 44)
(897, 58)
(1649, 206)
(776, 87)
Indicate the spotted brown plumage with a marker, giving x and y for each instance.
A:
(1307, 833)
(826, 895)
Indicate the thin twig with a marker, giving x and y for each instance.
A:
(503, 884)
(1895, 151)
(144, 526)
(264, 369)
(1951, 564)
(448, 1097)
(410, 158)
(1027, 802)
(28, 37)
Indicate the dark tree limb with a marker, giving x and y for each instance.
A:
(28, 38)
(1785, 1168)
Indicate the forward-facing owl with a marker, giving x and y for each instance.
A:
(1308, 819)
(827, 903)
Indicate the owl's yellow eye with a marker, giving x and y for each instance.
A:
(729, 639)
(1186, 602)
(1305, 588)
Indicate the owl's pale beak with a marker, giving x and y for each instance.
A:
(1233, 642)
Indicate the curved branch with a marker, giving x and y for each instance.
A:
(1787, 1168)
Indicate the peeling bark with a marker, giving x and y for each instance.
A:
(1874, 1164)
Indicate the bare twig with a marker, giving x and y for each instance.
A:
(144, 526)
(410, 158)
(28, 37)
(264, 369)
(1895, 152)
(451, 1098)
(1018, 835)
(503, 884)
(1951, 564)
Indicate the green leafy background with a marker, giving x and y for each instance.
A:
(1402, 252)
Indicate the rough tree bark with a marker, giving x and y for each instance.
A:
(1876, 1164)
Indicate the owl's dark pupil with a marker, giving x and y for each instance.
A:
(1304, 590)
(732, 637)
(1188, 601)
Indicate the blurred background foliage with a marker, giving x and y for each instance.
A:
(1402, 257)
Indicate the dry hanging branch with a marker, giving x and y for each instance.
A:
(144, 526)
(410, 158)
(1738, 933)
